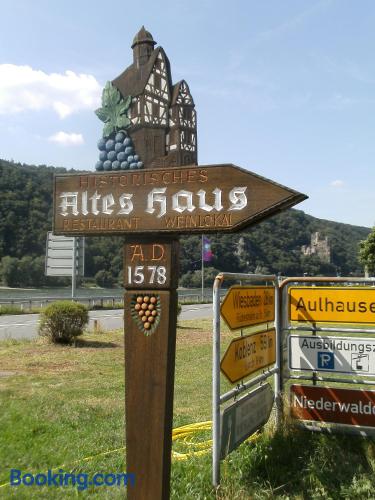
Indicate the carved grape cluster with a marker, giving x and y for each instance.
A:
(146, 312)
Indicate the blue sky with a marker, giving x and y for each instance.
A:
(283, 88)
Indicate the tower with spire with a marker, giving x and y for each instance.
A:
(143, 45)
(163, 117)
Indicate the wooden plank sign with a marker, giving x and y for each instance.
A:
(246, 355)
(179, 200)
(245, 306)
(150, 314)
(320, 304)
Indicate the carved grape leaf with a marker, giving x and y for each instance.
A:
(122, 122)
(101, 114)
(107, 129)
(114, 110)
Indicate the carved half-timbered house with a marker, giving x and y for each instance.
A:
(163, 117)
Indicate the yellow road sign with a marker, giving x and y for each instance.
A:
(246, 355)
(245, 306)
(332, 304)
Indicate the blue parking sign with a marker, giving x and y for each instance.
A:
(326, 360)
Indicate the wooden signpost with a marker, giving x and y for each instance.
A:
(149, 187)
(150, 304)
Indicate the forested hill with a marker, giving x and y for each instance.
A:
(271, 246)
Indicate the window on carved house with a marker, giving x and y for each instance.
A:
(157, 81)
(186, 113)
(187, 137)
(155, 109)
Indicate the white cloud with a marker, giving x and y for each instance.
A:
(337, 183)
(65, 139)
(23, 88)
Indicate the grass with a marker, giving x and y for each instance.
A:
(60, 405)
(6, 309)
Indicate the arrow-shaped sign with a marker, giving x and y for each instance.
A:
(246, 355)
(192, 199)
(245, 306)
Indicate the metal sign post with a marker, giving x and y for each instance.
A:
(253, 295)
(65, 256)
(60, 254)
(316, 312)
(74, 267)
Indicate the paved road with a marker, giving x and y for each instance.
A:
(24, 326)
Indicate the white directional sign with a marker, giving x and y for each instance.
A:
(59, 255)
(332, 354)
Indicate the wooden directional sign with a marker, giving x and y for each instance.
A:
(245, 306)
(332, 304)
(246, 355)
(333, 405)
(195, 199)
(151, 122)
(244, 417)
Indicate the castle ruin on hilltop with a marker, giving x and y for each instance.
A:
(319, 246)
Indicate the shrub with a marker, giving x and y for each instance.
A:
(104, 279)
(61, 322)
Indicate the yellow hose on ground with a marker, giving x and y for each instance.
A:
(185, 433)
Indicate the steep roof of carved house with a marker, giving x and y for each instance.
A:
(134, 80)
(176, 90)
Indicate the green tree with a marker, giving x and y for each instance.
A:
(193, 279)
(367, 252)
(10, 271)
(104, 279)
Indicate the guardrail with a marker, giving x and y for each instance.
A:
(29, 303)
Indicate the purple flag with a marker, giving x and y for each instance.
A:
(207, 252)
